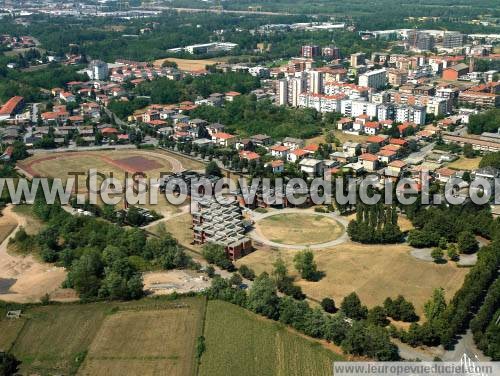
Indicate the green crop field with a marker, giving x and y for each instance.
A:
(55, 338)
(241, 343)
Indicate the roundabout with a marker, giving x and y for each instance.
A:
(299, 229)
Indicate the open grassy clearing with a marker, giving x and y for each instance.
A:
(33, 225)
(10, 330)
(374, 272)
(130, 338)
(465, 163)
(239, 342)
(154, 342)
(296, 229)
(180, 228)
(341, 136)
(54, 337)
(188, 64)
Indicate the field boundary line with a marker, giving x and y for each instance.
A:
(18, 335)
(203, 322)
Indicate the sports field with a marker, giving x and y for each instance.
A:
(299, 229)
(241, 343)
(374, 272)
(115, 162)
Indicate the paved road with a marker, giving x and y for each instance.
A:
(118, 121)
(197, 10)
(422, 152)
(466, 346)
(84, 148)
(254, 234)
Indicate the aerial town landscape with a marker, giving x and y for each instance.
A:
(214, 165)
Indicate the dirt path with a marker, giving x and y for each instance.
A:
(32, 279)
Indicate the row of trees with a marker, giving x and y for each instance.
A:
(363, 337)
(375, 224)
(446, 321)
(484, 325)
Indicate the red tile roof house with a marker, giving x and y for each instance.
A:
(387, 124)
(109, 131)
(67, 96)
(279, 151)
(123, 138)
(224, 139)
(76, 120)
(345, 124)
(386, 156)
(249, 155)
(372, 127)
(230, 95)
(403, 127)
(11, 107)
(397, 166)
(311, 149)
(157, 123)
(369, 161)
(297, 155)
(60, 116)
(277, 166)
(444, 174)
(398, 141)
(379, 140)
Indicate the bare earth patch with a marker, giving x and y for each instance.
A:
(28, 278)
(189, 65)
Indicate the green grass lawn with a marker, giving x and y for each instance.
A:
(241, 343)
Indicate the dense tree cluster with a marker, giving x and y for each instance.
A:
(456, 223)
(486, 121)
(363, 337)
(400, 309)
(484, 325)
(375, 224)
(215, 254)
(305, 265)
(246, 116)
(103, 259)
(490, 160)
(28, 84)
(164, 90)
